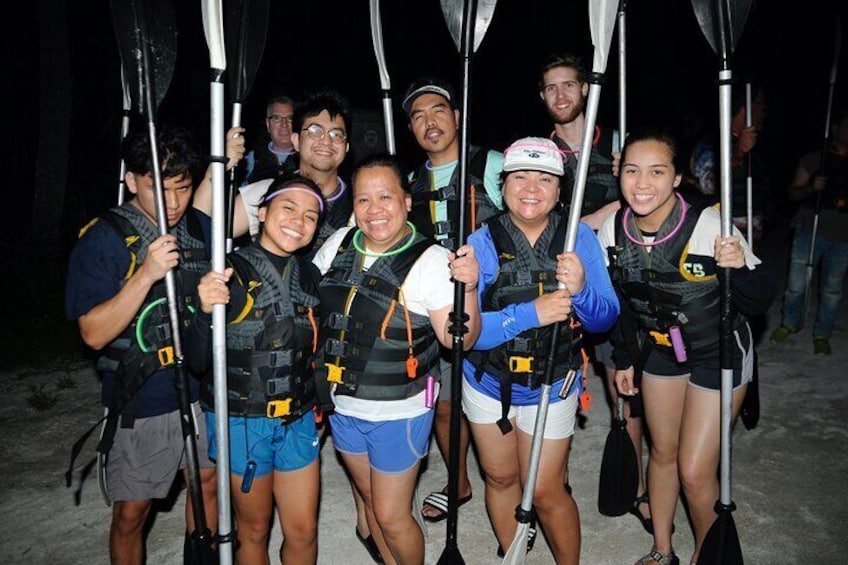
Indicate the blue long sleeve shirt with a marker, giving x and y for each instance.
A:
(596, 305)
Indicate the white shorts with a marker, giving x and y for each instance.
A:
(482, 409)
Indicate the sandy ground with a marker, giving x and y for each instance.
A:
(789, 473)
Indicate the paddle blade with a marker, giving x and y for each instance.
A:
(146, 25)
(721, 545)
(377, 39)
(245, 32)
(452, 10)
(517, 552)
(602, 14)
(709, 14)
(619, 478)
(213, 29)
(125, 88)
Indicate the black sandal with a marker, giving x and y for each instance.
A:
(370, 546)
(647, 523)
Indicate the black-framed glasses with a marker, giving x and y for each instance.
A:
(317, 132)
(276, 119)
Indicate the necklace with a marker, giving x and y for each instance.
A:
(357, 238)
(628, 212)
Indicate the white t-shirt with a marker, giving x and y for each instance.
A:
(427, 287)
(702, 241)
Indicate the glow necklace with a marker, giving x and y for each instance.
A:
(628, 212)
(357, 237)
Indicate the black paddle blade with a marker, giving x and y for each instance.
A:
(146, 25)
(709, 16)
(245, 31)
(619, 478)
(750, 412)
(721, 545)
(452, 10)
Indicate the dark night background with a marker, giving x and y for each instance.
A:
(65, 97)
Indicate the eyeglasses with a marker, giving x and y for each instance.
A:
(275, 119)
(317, 133)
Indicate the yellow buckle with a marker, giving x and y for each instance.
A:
(166, 356)
(334, 373)
(520, 364)
(278, 408)
(660, 338)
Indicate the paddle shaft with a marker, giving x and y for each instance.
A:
(201, 534)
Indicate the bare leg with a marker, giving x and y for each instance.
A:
(296, 495)
(253, 514)
(499, 459)
(209, 490)
(664, 400)
(441, 429)
(126, 543)
(557, 511)
(699, 456)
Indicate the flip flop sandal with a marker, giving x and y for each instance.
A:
(370, 546)
(439, 501)
(659, 558)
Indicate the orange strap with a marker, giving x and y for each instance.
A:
(314, 325)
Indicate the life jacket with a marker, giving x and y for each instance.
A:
(267, 165)
(601, 185)
(480, 206)
(372, 346)
(524, 274)
(667, 287)
(337, 216)
(270, 342)
(146, 345)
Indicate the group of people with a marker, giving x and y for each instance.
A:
(339, 320)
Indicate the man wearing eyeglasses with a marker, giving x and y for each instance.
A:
(278, 157)
(320, 127)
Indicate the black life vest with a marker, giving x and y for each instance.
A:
(423, 194)
(372, 346)
(270, 343)
(337, 216)
(601, 185)
(131, 361)
(667, 287)
(524, 274)
(268, 166)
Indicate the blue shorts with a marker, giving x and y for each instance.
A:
(271, 445)
(393, 446)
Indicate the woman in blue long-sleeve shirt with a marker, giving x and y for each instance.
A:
(526, 285)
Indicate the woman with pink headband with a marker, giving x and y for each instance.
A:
(271, 293)
(664, 253)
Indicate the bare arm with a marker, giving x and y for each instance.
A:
(103, 323)
(464, 268)
(203, 193)
(596, 218)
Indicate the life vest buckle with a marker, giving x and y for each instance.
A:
(521, 364)
(660, 338)
(339, 321)
(334, 373)
(278, 408)
(336, 348)
(442, 228)
(166, 356)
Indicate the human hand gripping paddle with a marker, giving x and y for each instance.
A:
(722, 22)
(602, 14)
(385, 81)
(147, 38)
(837, 48)
(245, 31)
(213, 28)
(468, 21)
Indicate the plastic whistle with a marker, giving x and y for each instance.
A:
(249, 473)
(677, 344)
(430, 392)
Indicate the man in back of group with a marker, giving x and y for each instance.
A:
(277, 156)
(563, 89)
(321, 128)
(434, 122)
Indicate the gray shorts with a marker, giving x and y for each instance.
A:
(145, 459)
